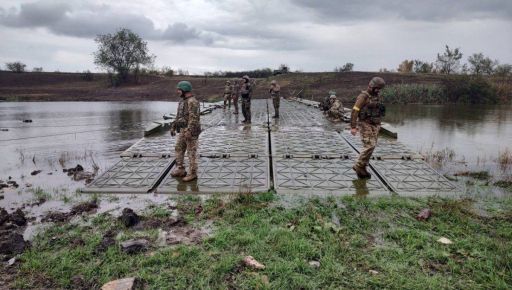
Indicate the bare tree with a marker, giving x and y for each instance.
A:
(37, 69)
(503, 70)
(345, 68)
(16, 66)
(122, 52)
(480, 64)
(449, 61)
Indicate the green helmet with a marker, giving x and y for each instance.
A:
(185, 86)
(332, 92)
(377, 82)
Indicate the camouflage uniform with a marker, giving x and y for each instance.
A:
(235, 94)
(245, 91)
(189, 128)
(369, 109)
(275, 93)
(335, 112)
(228, 90)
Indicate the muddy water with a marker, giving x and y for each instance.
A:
(474, 135)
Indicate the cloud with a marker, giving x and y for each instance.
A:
(433, 10)
(87, 21)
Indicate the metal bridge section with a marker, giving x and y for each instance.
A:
(130, 175)
(299, 153)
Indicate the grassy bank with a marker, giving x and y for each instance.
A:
(359, 243)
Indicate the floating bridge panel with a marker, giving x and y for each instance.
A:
(309, 143)
(385, 149)
(243, 141)
(155, 146)
(412, 177)
(223, 175)
(330, 176)
(130, 175)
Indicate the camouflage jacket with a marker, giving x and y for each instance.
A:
(336, 110)
(188, 116)
(236, 90)
(245, 90)
(228, 89)
(275, 91)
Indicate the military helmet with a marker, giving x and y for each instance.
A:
(246, 77)
(377, 82)
(185, 86)
(332, 97)
(273, 82)
(228, 82)
(332, 92)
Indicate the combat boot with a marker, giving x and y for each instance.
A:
(361, 172)
(276, 116)
(179, 172)
(190, 177)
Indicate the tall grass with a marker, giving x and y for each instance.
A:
(414, 93)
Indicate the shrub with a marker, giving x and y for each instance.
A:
(470, 90)
(414, 93)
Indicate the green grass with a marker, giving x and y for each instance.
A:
(378, 234)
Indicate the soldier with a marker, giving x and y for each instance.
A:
(336, 110)
(235, 94)
(369, 109)
(275, 94)
(188, 125)
(325, 104)
(228, 90)
(245, 92)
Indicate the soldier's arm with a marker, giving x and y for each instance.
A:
(355, 110)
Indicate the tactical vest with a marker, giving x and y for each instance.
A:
(373, 111)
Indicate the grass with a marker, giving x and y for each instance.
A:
(378, 234)
(414, 93)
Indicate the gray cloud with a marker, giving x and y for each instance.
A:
(91, 20)
(433, 10)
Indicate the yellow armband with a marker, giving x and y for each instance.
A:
(356, 108)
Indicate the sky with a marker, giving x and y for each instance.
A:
(234, 35)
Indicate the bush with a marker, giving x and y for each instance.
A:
(87, 76)
(470, 90)
(413, 93)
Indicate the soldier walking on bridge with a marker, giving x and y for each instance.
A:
(245, 91)
(228, 90)
(275, 94)
(369, 109)
(188, 125)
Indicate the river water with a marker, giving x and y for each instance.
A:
(64, 134)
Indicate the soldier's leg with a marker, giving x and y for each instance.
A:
(244, 109)
(249, 110)
(369, 135)
(235, 104)
(276, 101)
(229, 101)
(225, 100)
(192, 159)
(179, 149)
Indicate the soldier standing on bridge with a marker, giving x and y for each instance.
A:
(369, 109)
(228, 90)
(235, 94)
(336, 110)
(188, 125)
(245, 91)
(275, 94)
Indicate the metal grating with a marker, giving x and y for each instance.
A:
(130, 175)
(309, 143)
(156, 146)
(244, 141)
(331, 176)
(412, 177)
(223, 175)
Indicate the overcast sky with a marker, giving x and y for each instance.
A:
(211, 35)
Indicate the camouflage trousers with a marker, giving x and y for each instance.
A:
(235, 103)
(246, 109)
(186, 144)
(276, 100)
(227, 99)
(369, 134)
(334, 116)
